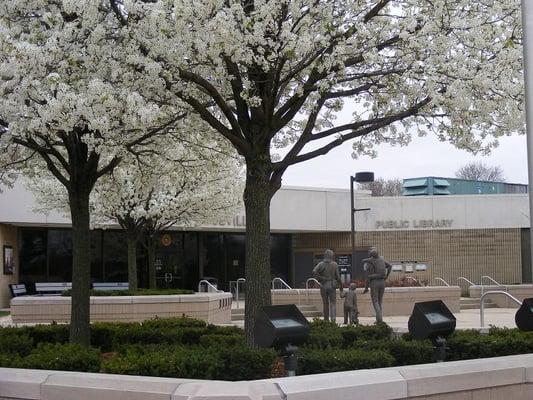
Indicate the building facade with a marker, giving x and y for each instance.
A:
(424, 237)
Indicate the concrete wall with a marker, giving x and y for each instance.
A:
(298, 209)
(493, 378)
(396, 301)
(8, 237)
(521, 292)
(448, 254)
(214, 308)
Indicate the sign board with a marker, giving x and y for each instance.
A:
(345, 263)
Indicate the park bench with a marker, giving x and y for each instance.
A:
(18, 289)
(52, 288)
(111, 286)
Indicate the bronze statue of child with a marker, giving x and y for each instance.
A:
(350, 306)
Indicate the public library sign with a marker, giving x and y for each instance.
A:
(414, 224)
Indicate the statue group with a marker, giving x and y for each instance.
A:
(326, 272)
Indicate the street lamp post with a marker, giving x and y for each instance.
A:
(360, 177)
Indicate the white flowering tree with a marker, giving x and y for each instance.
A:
(70, 86)
(189, 184)
(276, 73)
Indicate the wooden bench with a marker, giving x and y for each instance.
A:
(52, 288)
(18, 289)
(111, 286)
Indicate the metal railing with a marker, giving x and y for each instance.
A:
(209, 285)
(482, 303)
(466, 280)
(237, 298)
(281, 281)
(442, 280)
(277, 279)
(490, 279)
(307, 286)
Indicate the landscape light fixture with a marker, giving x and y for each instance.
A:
(360, 177)
(432, 320)
(524, 316)
(282, 327)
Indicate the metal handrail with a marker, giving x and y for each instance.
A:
(237, 290)
(442, 280)
(287, 286)
(482, 303)
(466, 280)
(282, 281)
(490, 279)
(208, 284)
(307, 286)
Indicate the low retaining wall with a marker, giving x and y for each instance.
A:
(396, 301)
(214, 308)
(519, 291)
(491, 378)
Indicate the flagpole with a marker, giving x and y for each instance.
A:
(527, 42)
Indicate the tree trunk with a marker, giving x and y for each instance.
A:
(132, 260)
(81, 268)
(151, 262)
(257, 195)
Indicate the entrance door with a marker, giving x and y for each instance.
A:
(169, 261)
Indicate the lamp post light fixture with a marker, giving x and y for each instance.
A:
(360, 177)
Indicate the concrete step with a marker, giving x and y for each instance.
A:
(309, 311)
(468, 303)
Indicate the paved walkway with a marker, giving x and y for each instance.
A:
(466, 319)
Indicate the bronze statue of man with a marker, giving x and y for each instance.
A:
(327, 273)
(377, 271)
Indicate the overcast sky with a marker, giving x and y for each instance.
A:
(423, 157)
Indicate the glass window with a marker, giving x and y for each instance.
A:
(190, 255)
(59, 255)
(32, 255)
(280, 256)
(97, 270)
(115, 256)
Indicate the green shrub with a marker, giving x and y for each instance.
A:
(67, 357)
(404, 352)
(227, 363)
(178, 322)
(53, 333)
(466, 345)
(221, 340)
(361, 332)
(164, 361)
(15, 343)
(312, 361)
(10, 361)
(241, 363)
(324, 339)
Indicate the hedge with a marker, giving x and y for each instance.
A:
(65, 357)
(313, 361)
(188, 348)
(220, 363)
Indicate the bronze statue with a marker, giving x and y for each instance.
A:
(377, 270)
(327, 273)
(350, 306)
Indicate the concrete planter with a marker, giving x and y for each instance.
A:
(396, 301)
(519, 291)
(211, 307)
(490, 378)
